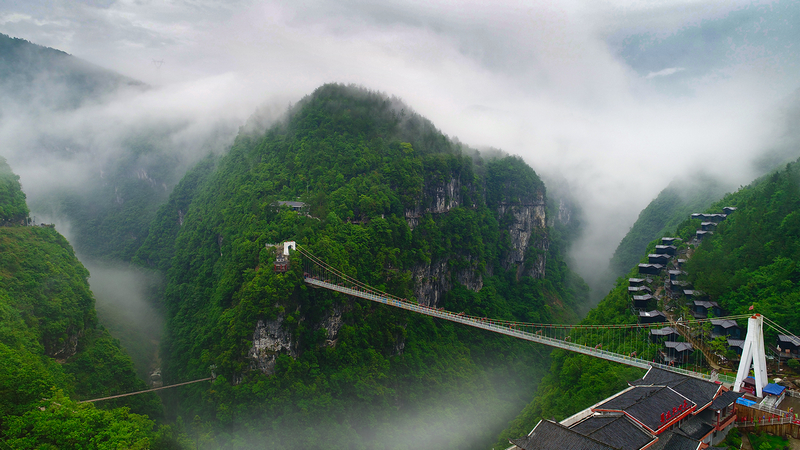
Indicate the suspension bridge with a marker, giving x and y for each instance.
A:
(630, 344)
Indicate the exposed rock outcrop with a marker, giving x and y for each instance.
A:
(332, 324)
(269, 340)
(527, 232)
(437, 199)
(64, 348)
(431, 281)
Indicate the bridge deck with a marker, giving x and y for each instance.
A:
(510, 331)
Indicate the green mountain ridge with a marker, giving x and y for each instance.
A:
(750, 260)
(668, 210)
(396, 204)
(30, 73)
(53, 352)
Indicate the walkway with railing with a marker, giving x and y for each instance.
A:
(318, 273)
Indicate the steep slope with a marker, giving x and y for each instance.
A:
(391, 201)
(750, 260)
(30, 73)
(51, 345)
(13, 209)
(119, 171)
(663, 215)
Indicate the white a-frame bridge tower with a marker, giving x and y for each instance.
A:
(753, 353)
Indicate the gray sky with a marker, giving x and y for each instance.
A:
(618, 96)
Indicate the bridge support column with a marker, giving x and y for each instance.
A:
(753, 353)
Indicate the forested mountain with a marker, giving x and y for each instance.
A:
(61, 115)
(751, 259)
(13, 209)
(389, 200)
(30, 73)
(53, 352)
(668, 210)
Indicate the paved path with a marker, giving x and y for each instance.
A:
(746, 442)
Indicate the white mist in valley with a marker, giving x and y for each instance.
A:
(617, 98)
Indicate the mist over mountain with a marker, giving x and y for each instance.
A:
(99, 152)
(53, 351)
(662, 216)
(167, 193)
(40, 77)
(392, 201)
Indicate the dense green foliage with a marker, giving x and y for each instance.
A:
(50, 342)
(366, 168)
(13, 208)
(750, 260)
(752, 257)
(663, 215)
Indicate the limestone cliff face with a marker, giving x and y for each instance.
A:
(528, 234)
(432, 281)
(269, 340)
(63, 349)
(437, 198)
(332, 324)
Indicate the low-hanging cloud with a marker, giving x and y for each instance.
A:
(665, 72)
(595, 92)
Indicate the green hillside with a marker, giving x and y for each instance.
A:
(671, 207)
(750, 260)
(393, 202)
(13, 209)
(30, 73)
(53, 352)
(125, 174)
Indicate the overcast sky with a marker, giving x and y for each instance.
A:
(618, 97)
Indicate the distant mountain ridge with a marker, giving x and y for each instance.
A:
(30, 73)
(663, 214)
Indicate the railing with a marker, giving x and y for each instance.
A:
(510, 331)
(773, 421)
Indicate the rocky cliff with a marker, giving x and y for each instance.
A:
(527, 232)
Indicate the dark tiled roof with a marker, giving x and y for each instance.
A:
(653, 313)
(645, 404)
(724, 323)
(678, 346)
(724, 399)
(642, 298)
(666, 331)
(705, 303)
(696, 427)
(617, 431)
(698, 391)
(736, 343)
(639, 289)
(549, 435)
(674, 441)
(794, 340)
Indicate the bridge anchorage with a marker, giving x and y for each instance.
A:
(637, 345)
